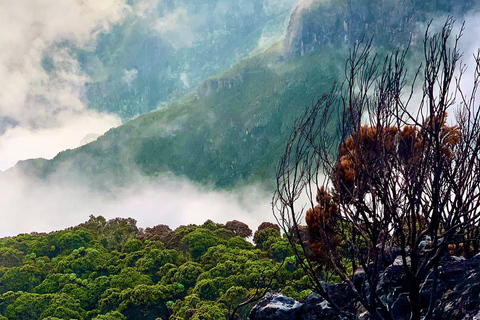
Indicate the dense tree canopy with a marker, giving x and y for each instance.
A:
(113, 270)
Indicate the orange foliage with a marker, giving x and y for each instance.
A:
(364, 153)
(322, 224)
(460, 250)
(360, 154)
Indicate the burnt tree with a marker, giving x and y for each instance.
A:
(389, 165)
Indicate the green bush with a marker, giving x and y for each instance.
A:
(240, 243)
(28, 306)
(210, 311)
(10, 257)
(188, 273)
(132, 245)
(115, 315)
(53, 283)
(63, 306)
(23, 278)
(263, 239)
(69, 240)
(199, 241)
(153, 259)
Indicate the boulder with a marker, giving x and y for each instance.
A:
(315, 306)
(276, 306)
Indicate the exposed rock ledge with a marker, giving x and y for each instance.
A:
(458, 296)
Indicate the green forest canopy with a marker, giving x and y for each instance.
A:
(115, 270)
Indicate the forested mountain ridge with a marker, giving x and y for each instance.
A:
(233, 127)
(228, 131)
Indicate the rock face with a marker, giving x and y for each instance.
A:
(316, 23)
(315, 307)
(214, 85)
(457, 296)
(459, 290)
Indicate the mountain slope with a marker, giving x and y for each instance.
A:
(164, 49)
(227, 131)
(392, 23)
(232, 129)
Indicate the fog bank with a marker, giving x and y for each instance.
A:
(32, 205)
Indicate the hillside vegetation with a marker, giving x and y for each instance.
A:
(226, 132)
(164, 49)
(114, 270)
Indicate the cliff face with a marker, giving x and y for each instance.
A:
(315, 23)
(210, 86)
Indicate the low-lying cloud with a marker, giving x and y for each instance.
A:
(35, 205)
(44, 110)
(468, 46)
(42, 82)
(74, 129)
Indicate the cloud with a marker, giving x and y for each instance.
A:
(180, 27)
(129, 76)
(40, 206)
(40, 79)
(24, 143)
(146, 9)
(185, 25)
(468, 46)
(184, 79)
(274, 7)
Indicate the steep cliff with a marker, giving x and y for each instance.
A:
(316, 23)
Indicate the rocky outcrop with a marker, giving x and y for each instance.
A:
(215, 84)
(459, 290)
(457, 296)
(276, 306)
(316, 23)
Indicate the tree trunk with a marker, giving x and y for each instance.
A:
(415, 300)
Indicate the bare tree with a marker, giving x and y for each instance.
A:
(383, 175)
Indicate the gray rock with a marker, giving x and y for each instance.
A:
(315, 307)
(457, 296)
(477, 316)
(276, 306)
(399, 261)
(460, 258)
